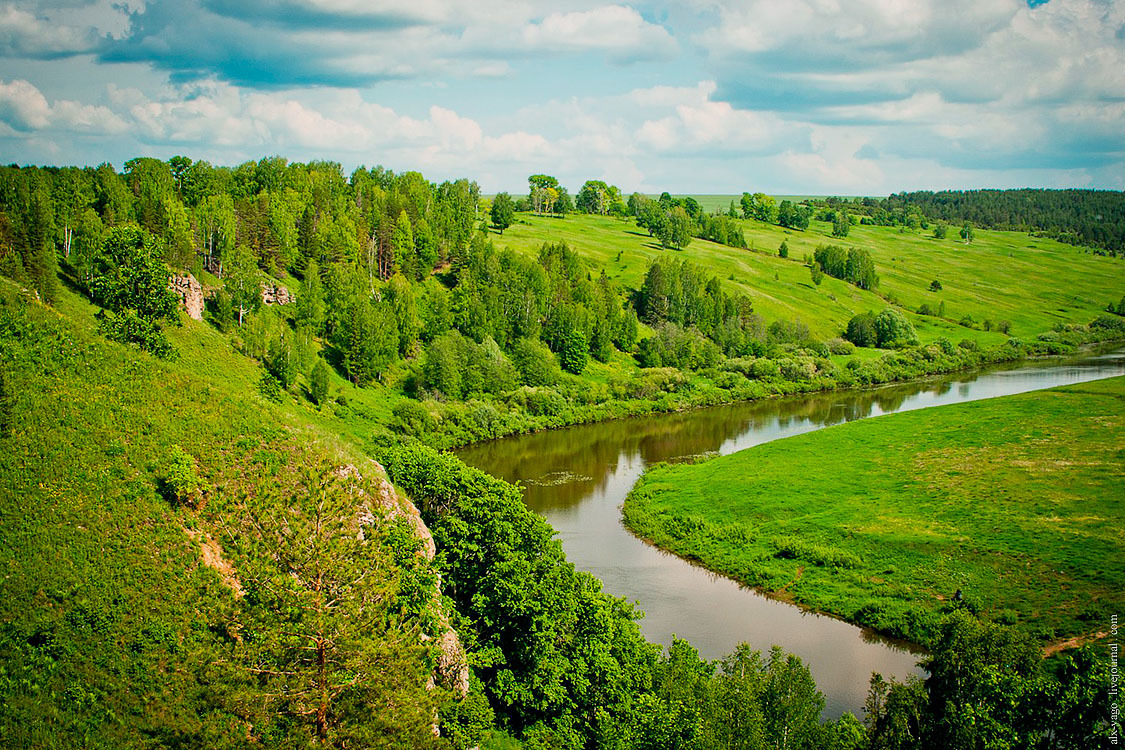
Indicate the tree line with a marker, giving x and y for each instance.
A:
(1095, 218)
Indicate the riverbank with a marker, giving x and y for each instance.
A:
(1010, 500)
(447, 425)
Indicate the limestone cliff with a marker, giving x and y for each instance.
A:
(190, 293)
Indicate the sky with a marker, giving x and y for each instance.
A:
(842, 97)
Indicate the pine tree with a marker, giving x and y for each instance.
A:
(334, 655)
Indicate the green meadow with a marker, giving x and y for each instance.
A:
(1016, 502)
(1034, 283)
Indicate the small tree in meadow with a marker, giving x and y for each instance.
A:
(503, 212)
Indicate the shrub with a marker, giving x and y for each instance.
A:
(861, 330)
(796, 548)
(318, 382)
(535, 362)
(840, 346)
(411, 418)
(892, 328)
(181, 476)
(798, 369)
(787, 332)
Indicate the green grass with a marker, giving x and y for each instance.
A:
(109, 624)
(1016, 501)
(1032, 282)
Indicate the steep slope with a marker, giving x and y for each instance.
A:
(132, 574)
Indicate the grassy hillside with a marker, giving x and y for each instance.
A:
(1015, 501)
(1032, 282)
(112, 632)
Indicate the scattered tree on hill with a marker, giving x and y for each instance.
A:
(817, 274)
(759, 206)
(544, 191)
(935, 286)
(596, 197)
(860, 269)
(967, 233)
(783, 250)
(941, 229)
(892, 328)
(503, 211)
(861, 330)
(854, 265)
(129, 280)
(793, 216)
(841, 225)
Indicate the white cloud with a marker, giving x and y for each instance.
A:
(23, 107)
(861, 32)
(26, 34)
(617, 30)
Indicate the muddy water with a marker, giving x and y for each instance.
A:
(578, 477)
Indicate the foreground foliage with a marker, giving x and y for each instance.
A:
(112, 632)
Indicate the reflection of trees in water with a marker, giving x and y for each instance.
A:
(590, 454)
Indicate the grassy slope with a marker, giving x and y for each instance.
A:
(107, 619)
(1017, 501)
(1032, 282)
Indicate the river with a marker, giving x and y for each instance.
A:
(578, 477)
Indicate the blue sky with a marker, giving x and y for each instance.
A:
(703, 96)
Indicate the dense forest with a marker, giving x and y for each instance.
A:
(398, 283)
(1094, 218)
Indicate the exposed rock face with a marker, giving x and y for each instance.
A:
(452, 670)
(275, 294)
(190, 293)
(213, 558)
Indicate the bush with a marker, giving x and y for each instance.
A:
(535, 362)
(1108, 323)
(861, 330)
(540, 402)
(181, 477)
(798, 369)
(787, 332)
(411, 418)
(318, 382)
(840, 346)
(892, 329)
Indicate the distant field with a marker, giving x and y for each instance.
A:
(1031, 282)
(1015, 501)
(710, 202)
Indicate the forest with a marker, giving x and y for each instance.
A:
(416, 328)
(1093, 218)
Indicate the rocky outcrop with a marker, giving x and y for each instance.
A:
(190, 293)
(276, 294)
(452, 668)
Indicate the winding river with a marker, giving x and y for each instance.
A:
(578, 477)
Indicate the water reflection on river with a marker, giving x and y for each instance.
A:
(578, 477)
